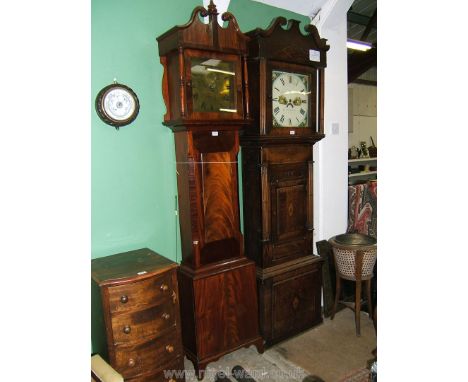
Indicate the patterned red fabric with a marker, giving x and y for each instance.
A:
(362, 209)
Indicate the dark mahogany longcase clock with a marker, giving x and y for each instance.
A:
(205, 91)
(286, 83)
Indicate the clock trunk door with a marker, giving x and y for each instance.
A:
(288, 213)
(291, 204)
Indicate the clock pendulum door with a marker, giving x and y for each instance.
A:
(205, 91)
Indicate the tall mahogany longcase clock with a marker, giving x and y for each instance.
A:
(286, 83)
(205, 90)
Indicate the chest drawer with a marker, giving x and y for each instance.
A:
(170, 373)
(134, 360)
(136, 326)
(140, 295)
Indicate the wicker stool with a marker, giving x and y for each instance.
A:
(355, 256)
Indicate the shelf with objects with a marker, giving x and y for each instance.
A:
(362, 163)
(361, 170)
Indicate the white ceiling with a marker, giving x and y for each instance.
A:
(303, 7)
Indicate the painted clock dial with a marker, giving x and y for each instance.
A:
(290, 99)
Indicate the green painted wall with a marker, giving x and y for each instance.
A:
(133, 171)
(250, 14)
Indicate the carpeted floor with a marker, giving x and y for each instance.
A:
(330, 351)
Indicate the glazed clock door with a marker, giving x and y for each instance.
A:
(214, 85)
(292, 102)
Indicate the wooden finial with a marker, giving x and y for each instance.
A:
(212, 8)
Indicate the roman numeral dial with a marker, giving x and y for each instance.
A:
(290, 99)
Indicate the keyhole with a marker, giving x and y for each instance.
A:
(295, 303)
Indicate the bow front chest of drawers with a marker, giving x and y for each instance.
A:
(135, 315)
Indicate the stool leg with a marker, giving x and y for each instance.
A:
(337, 296)
(357, 308)
(369, 298)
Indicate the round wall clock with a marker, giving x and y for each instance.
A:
(117, 105)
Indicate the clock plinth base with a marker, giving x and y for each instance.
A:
(219, 311)
(289, 298)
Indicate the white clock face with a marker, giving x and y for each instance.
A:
(119, 104)
(290, 99)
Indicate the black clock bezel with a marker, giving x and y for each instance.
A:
(101, 112)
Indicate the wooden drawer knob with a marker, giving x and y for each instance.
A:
(127, 329)
(131, 362)
(169, 348)
(164, 287)
(124, 299)
(166, 316)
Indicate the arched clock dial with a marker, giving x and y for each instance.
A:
(290, 99)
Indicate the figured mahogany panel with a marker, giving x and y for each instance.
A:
(218, 209)
(228, 318)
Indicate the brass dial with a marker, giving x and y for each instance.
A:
(213, 85)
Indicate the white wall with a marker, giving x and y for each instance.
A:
(331, 153)
(362, 110)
